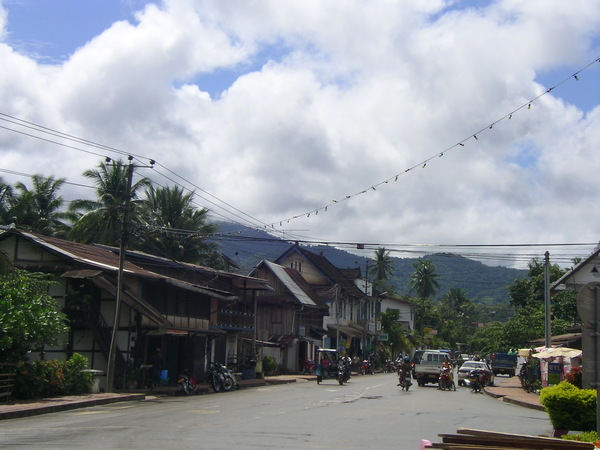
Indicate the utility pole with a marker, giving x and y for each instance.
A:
(110, 376)
(337, 319)
(548, 329)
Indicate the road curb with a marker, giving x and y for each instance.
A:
(512, 400)
(25, 410)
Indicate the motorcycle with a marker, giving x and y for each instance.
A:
(343, 373)
(366, 367)
(405, 382)
(220, 378)
(309, 366)
(476, 380)
(389, 366)
(187, 381)
(445, 381)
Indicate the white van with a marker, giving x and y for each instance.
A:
(428, 366)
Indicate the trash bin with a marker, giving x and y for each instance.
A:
(96, 374)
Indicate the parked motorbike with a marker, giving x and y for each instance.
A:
(366, 367)
(309, 366)
(220, 378)
(445, 381)
(187, 381)
(476, 380)
(389, 366)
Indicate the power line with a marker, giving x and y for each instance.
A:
(471, 137)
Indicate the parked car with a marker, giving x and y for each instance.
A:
(464, 370)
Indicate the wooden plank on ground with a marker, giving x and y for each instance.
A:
(536, 441)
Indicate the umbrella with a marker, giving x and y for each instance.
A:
(558, 351)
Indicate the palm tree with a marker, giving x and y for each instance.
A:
(383, 266)
(458, 314)
(424, 283)
(38, 209)
(6, 201)
(100, 220)
(173, 227)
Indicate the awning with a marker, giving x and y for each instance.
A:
(221, 295)
(182, 332)
(311, 340)
(259, 343)
(317, 331)
(558, 351)
(360, 330)
(141, 306)
(344, 329)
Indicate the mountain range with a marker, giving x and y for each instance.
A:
(482, 284)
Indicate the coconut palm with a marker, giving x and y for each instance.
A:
(6, 199)
(383, 267)
(423, 281)
(38, 209)
(100, 221)
(173, 227)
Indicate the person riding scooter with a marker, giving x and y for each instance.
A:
(404, 370)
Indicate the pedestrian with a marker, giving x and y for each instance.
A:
(157, 363)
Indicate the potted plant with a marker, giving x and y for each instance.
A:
(132, 376)
(269, 365)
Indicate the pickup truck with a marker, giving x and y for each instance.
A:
(427, 366)
(504, 363)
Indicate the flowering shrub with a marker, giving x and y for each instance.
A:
(51, 378)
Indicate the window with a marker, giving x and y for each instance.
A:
(296, 265)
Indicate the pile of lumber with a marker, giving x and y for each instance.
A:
(470, 439)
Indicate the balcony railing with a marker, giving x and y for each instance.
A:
(233, 320)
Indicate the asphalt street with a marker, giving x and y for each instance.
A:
(369, 412)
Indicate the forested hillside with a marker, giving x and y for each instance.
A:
(483, 284)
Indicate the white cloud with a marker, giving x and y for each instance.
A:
(333, 98)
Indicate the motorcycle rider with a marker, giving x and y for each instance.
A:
(447, 368)
(404, 370)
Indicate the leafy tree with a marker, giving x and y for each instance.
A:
(529, 292)
(173, 227)
(397, 340)
(458, 317)
(39, 209)
(100, 221)
(423, 281)
(29, 316)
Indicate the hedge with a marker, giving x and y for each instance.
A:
(569, 407)
(39, 379)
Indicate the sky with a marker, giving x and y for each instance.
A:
(427, 124)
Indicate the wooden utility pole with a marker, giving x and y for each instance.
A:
(548, 328)
(110, 375)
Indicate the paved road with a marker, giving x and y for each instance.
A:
(369, 412)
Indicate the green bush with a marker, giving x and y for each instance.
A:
(76, 381)
(586, 436)
(39, 379)
(569, 407)
(269, 364)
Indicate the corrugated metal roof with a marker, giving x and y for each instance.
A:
(86, 254)
(295, 290)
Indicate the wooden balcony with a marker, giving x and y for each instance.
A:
(233, 320)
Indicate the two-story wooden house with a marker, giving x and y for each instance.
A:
(351, 309)
(192, 314)
(289, 318)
